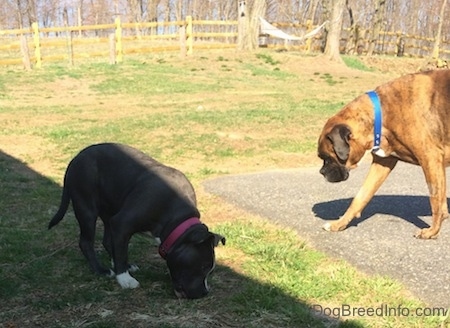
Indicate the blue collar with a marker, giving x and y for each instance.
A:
(378, 121)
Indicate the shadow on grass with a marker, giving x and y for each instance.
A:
(408, 208)
(45, 281)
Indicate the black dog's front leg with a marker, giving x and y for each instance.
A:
(120, 237)
(108, 245)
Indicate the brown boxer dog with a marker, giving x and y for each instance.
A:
(415, 129)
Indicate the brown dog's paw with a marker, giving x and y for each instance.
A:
(335, 226)
(427, 233)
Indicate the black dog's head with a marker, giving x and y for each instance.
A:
(191, 260)
(334, 150)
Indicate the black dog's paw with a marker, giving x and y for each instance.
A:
(105, 272)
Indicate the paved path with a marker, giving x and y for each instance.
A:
(380, 242)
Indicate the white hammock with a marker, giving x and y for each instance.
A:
(267, 28)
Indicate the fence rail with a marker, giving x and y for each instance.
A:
(356, 41)
(37, 45)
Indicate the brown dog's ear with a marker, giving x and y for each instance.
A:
(339, 137)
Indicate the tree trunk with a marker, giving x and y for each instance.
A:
(19, 14)
(437, 42)
(248, 23)
(242, 25)
(312, 10)
(378, 20)
(332, 46)
(352, 40)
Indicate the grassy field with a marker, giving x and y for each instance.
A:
(213, 114)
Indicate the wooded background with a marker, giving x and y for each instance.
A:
(416, 17)
(369, 19)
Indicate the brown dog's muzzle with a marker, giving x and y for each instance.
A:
(334, 172)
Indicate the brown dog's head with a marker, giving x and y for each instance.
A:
(334, 150)
(345, 138)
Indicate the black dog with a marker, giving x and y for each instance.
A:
(132, 193)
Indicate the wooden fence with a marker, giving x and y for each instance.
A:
(111, 42)
(38, 45)
(356, 41)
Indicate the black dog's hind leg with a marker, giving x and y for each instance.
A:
(107, 239)
(87, 217)
(108, 245)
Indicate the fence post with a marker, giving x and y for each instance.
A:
(189, 37)
(112, 49)
(182, 32)
(400, 43)
(25, 53)
(68, 36)
(119, 49)
(308, 40)
(37, 44)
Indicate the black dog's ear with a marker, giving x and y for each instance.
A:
(339, 137)
(217, 239)
(200, 234)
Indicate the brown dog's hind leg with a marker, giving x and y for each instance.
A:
(378, 172)
(436, 181)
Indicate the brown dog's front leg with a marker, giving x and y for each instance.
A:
(378, 172)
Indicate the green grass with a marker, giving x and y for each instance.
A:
(355, 63)
(267, 59)
(209, 116)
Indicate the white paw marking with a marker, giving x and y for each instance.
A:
(127, 281)
(327, 226)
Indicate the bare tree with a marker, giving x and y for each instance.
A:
(437, 42)
(365, 17)
(377, 24)
(19, 13)
(312, 10)
(332, 47)
(249, 23)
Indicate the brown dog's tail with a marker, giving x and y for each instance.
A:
(65, 200)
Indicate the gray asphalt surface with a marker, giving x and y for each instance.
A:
(380, 242)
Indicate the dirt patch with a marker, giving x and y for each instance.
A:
(32, 151)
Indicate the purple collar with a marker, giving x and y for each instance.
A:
(165, 247)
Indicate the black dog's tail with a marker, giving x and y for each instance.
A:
(65, 200)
